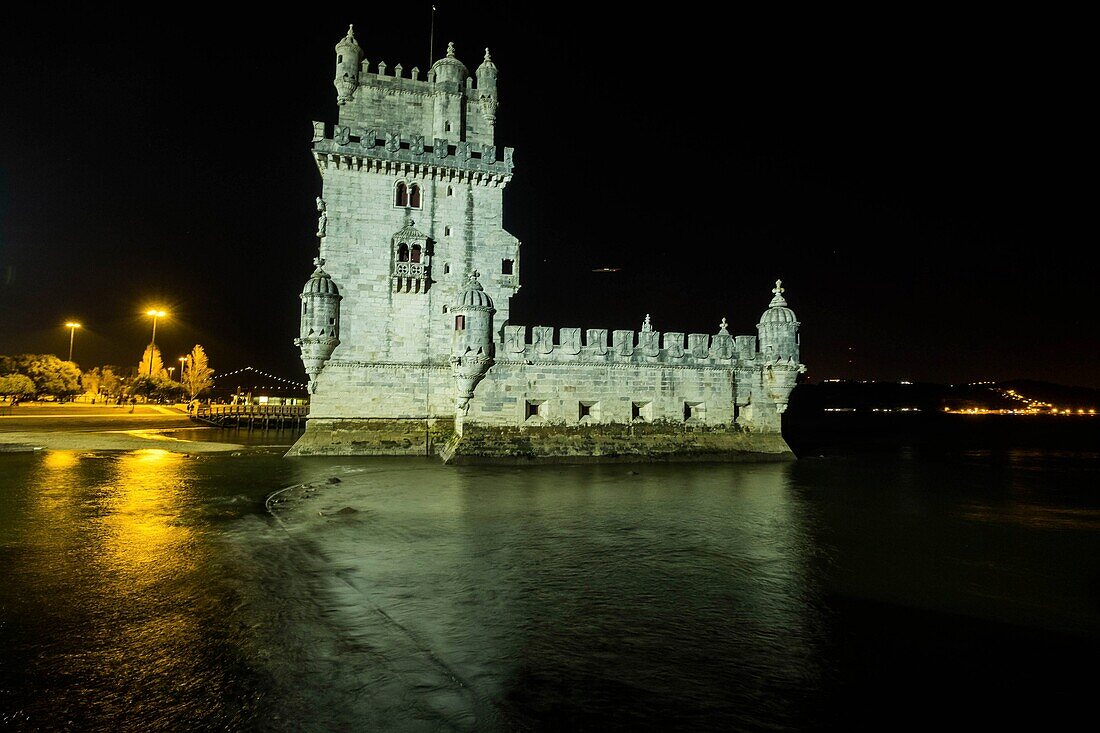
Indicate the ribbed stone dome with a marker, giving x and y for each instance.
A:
(777, 311)
(450, 68)
(320, 281)
(473, 295)
(778, 315)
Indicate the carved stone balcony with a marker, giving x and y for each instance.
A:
(411, 277)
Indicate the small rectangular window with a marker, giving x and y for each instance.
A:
(588, 411)
(460, 323)
(332, 321)
(446, 231)
(534, 409)
(506, 266)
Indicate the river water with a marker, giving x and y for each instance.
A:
(150, 590)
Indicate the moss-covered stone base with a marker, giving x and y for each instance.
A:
(373, 437)
(614, 442)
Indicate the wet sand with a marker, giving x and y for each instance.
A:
(31, 427)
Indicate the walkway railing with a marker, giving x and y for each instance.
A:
(254, 416)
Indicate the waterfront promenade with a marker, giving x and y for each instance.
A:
(80, 426)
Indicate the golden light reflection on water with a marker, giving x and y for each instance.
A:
(59, 460)
(115, 555)
(145, 539)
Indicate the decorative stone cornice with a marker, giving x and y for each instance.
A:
(394, 152)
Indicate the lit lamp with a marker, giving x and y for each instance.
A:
(72, 326)
(155, 313)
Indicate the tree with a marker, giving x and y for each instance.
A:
(109, 382)
(16, 385)
(157, 364)
(51, 375)
(197, 375)
(91, 380)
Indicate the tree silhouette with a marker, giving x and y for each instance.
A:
(197, 375)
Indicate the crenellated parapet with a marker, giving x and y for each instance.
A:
(565, 345)
(343, 146)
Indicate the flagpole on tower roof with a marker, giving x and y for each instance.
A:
(431, 42)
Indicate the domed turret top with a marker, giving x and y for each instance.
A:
(320, 281)
(450, 68)
(777, 311)
(473, 295)
(349, 41)
(487, 64)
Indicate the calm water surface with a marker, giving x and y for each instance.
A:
(154, 591)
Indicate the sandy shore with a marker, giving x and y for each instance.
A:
(99, 427)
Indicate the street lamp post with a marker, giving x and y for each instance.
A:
(183, 363)
(155, 313)
(72, 326)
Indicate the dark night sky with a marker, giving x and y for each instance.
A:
(916, 180)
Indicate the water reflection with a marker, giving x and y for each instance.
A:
(573, 595)
(116, 616)
(143, 537)
(148, 590)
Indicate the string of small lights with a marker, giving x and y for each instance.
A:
(262, 374)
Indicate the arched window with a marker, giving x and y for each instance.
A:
(414, 196)
(403, 253)
(415, 254)
(450, 190)
(402, 197)
(447, 126)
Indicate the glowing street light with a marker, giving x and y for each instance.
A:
(155, 313)
(72, 326)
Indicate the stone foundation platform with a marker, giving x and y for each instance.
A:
(615, 442)
(374, 437)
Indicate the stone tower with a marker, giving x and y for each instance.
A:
(406, 334)
(411, 205)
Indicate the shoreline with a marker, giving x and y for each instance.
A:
(93, 428)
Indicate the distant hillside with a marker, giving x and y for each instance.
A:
(844, 416)
(834, 396)
(1056, 394)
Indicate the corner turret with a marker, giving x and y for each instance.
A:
(473, 320)
(778, 334)
(320, 326)
(471, 343)
(778, 329)
(348, 56)
(450, 71)
(487, 89)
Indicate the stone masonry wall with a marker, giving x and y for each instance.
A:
(463, 221)
(516, 393)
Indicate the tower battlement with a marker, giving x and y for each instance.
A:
(353, 147)
(449, 104)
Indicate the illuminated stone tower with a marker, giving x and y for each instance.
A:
(413, 186)
(406, 334)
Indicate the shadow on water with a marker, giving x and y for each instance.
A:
(154, 591)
